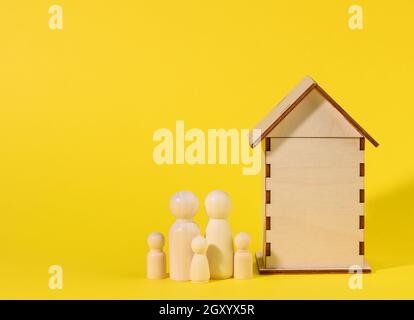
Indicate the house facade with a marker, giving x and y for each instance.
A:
(313, 185)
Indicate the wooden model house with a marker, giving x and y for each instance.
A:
(313, 219)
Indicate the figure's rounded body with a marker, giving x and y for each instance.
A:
(243, 261)
(220, 249)
(243, 265)
(183, 205)
(218, 235)
(200, 271)
(156, 262)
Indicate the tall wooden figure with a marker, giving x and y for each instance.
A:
(218, 235)
(184, 205)
(156, 265)
(243, 261)
(200, 271)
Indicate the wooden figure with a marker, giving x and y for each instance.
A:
(183, 205)
(156, 265)
(200, 271)
(313, 181)
(218, 235)
(243, 262)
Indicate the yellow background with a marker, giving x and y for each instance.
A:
(78, 107)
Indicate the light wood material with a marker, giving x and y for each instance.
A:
(314, 205)
(297, 99)
(156, 262)
(347, 116)
(317, 242)
(365, 268)
(313, 183)
(218, 234)
(184, 205)
(263, 200)
(200, 271)
(314, 117)
(282, 107)
(243, 261)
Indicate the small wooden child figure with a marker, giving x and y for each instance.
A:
(243, 262)
(156, 265)
(199, 271)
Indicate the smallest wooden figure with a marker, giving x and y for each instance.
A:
(243, 261)
(200, 270)
(156, 262)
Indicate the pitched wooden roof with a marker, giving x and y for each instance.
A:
(289, 103)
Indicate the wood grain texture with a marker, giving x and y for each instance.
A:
(314, 203)
(181, 233)
(316, 242)
(314, 117)
(283, 108)
(263, 200)
(365, 268)
(291, 102)
(347, 116)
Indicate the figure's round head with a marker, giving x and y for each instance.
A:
(199, 245)
(184, 205)
(242, 241)
(156, 241)
(217, 204)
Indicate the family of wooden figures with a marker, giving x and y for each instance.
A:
(193, 257)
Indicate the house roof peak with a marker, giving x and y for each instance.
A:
(289, 103)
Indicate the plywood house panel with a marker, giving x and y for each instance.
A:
(313, 185)
(314, 206)
(314, 117)
(314, 242)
